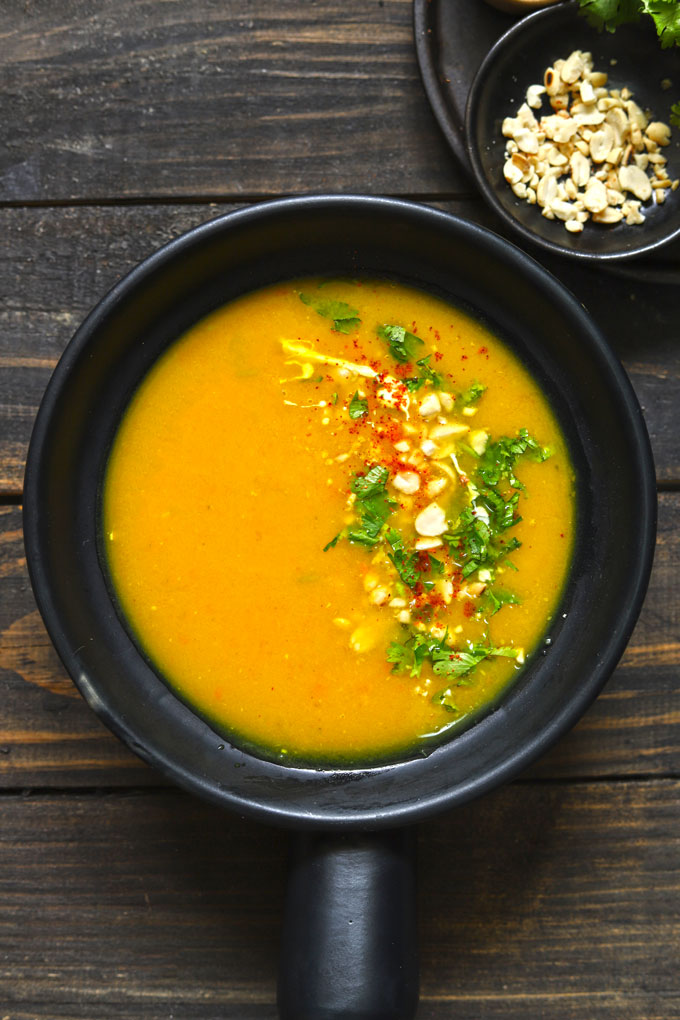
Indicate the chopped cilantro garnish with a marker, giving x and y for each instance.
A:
(373, 505)
(610, 14)
(446, 661)
(345, 318)
(358, 407)
(427, 374)
(402, 344)
(406, 564)
(372, 483)
(470, 396)
(495, 598)
(499, 458)
(474, 540)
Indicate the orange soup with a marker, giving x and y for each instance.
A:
(338, 517)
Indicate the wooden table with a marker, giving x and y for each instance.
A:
(123, 124)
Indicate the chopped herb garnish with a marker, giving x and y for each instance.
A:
(373, 505)
(427, 374)
(402, 344)
(499, 459)
(446, 661)
(470, 396)
(358, 407)
(333, 542)
(494, 599)
(406, 564)
(345, 318)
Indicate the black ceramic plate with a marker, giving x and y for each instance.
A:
(631, 57)
(452, 38)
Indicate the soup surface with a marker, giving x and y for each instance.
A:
(338, 516)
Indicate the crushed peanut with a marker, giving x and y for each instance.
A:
(595, 157)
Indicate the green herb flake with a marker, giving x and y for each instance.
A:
(402, 344)
(373, 505)
(358, 407)
(494, 599)
(456, 663)
(345, 318)
(499, 459)
(470, 396)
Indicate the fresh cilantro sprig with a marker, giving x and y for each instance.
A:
(403, 345)
(345, 318)
(609, 14)
(665, 14)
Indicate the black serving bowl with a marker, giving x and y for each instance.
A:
(340, 870)
(631, 56)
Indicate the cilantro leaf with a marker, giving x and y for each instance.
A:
(407, 565)
(445, 661)
(373, 505)
(413, 653)
(666, 17)
(499, 458)
(471, 395)
(426, 374)
(402, 344)
(495, 598)
(609, 14)
(451, 662)
(371, 483)
(358, 407)
(345, 318)
(474, 540)
(675, 114)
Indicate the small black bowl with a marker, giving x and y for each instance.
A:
(632, 56)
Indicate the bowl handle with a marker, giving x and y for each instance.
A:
(349, 945)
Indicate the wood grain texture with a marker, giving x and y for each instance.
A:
(121, 99)
(55, 264)
(542, 901)
(49, 737)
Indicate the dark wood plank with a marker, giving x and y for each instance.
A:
(49, 737)
(126, 99)
(56, 263)
(541, 901)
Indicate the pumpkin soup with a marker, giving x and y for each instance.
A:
(338, 517)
